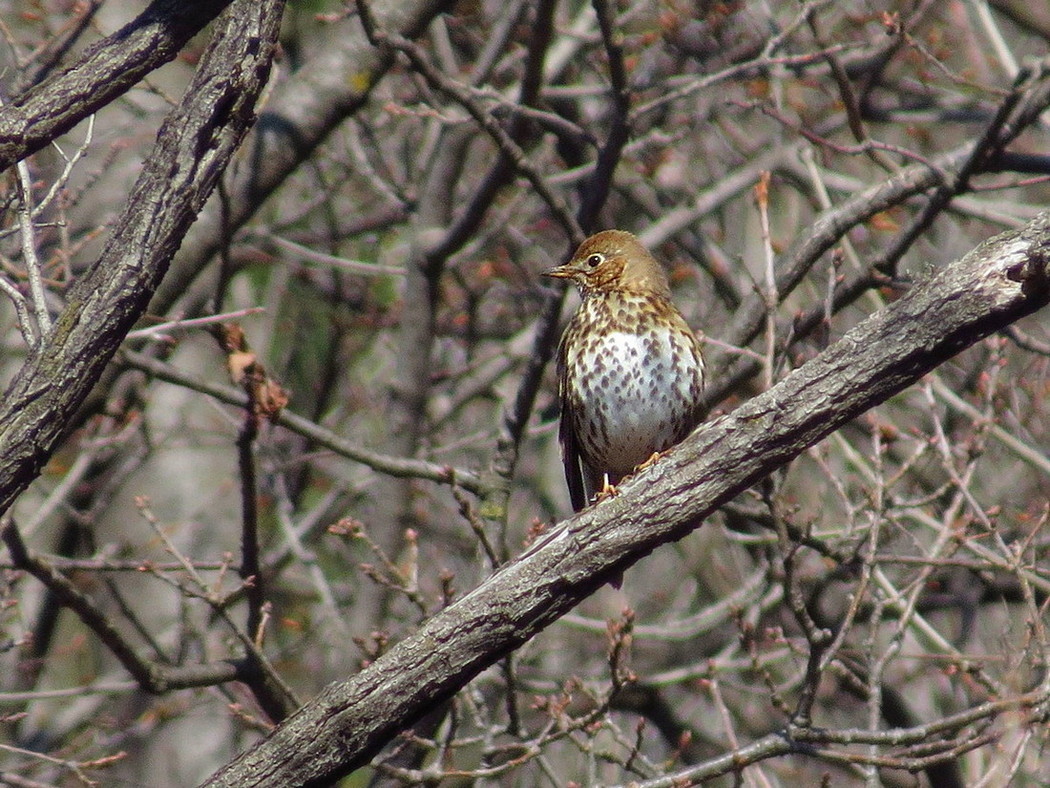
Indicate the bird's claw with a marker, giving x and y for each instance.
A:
(656, 455)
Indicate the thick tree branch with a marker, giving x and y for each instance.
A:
(104, 71)
(347, 724)
(193, 146)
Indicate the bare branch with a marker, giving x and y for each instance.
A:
(1000, 281)
(104, 71)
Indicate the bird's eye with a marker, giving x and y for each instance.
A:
(594, 259)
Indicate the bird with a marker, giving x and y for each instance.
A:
(630, 369)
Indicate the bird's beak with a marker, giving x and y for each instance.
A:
(561, 272)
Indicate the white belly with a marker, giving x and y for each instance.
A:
(636, 402)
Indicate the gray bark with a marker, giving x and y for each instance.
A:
(103, 72)
(193, 147)
(350, 721)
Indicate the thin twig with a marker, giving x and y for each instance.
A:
(29, 256)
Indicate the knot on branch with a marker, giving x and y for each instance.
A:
(1032, 274)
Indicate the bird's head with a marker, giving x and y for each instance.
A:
(613, 260)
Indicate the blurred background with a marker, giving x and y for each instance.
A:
(379, 241)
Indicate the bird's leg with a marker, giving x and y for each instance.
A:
(608, 489)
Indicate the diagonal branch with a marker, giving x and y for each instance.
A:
(103, 72)
(1000, 281)
(193, 146)
(400, 467)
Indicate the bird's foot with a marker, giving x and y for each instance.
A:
(607, 491)
(656, 455)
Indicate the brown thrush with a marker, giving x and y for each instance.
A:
(630, 373)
